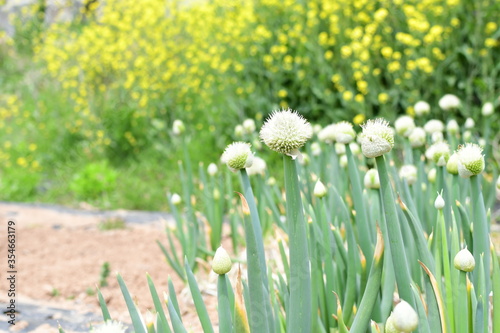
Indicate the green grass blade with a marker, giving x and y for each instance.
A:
(173, 262)
(132, 309)
(496, 290)
(198, 301)
(173, 298)
(102, 303)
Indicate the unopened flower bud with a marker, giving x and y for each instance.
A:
(487, 109)
(248, 126)
(452, 165)
(467, 136)
(175, 199)
(439, 202)
(238, 156)
(239, 131)
(405, 318)
(431, 176)
(464, 261)
(371, 179)
(470, 160)
(437, 137)
(421, 108)
(315, 149)
(343, 161)
(212, 169)
(377, 138)
(216, 194)
(271, 181)
(355, 148)
(408, 172)
(417, 137)
(452, 127)
(469, 123)
(221, 263)
(317, 128)
(339, 149)
(306, 160)
(404, 125)
(285, 132)
(320, 190)
(178, 127)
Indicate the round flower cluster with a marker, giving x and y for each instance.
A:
(377, 138)
(238, 156)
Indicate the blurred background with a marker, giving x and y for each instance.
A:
(89, 90)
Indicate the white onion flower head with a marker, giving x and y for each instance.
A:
(481, 142)
(464, 261)
(470, 160)
(110, 326)
(305, 160)
(212, 169)
(404, 125)
(421, 108)
(487, 109)
(449, 102)
(417, 137)
(452, 165)
(439, 152)
(452, 127)
(377, 138)
(345, 132)
(285, 132)
(469, 123)
(248, 126)
(408, 172)
(320, 190)
(371, 179)
(439, 202)
(221, 263)
(328, 134)
(315, 149)
(238, 156)
(405, 318)
(434, 125)
(178, 127)
(339, 149)
(258, 167)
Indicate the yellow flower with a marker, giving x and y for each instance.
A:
(383, 98)
(347, 95)
(359, 119)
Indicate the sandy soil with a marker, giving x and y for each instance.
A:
(60, 255)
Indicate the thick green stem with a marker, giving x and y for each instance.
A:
(481, 244)
(398, 254)
(225, 324)
(365, 236)
(299, 315)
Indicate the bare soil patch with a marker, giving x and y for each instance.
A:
(60, 255)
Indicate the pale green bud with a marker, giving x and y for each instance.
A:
(405, 318)
(469, 123)
(212, 169)
(175, 199)
(328, 134)
(452, 127)
(409, 173)
(464, 261)
(452, 165)
(320, 190)
(221, 263)
(178, 127)
(371, 179)
(439, 202)
(248, 126)
(315, 149)
(431, 176)
(239, 131)
(343, 161)
(487, 109)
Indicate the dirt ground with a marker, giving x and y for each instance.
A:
(60, 255)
